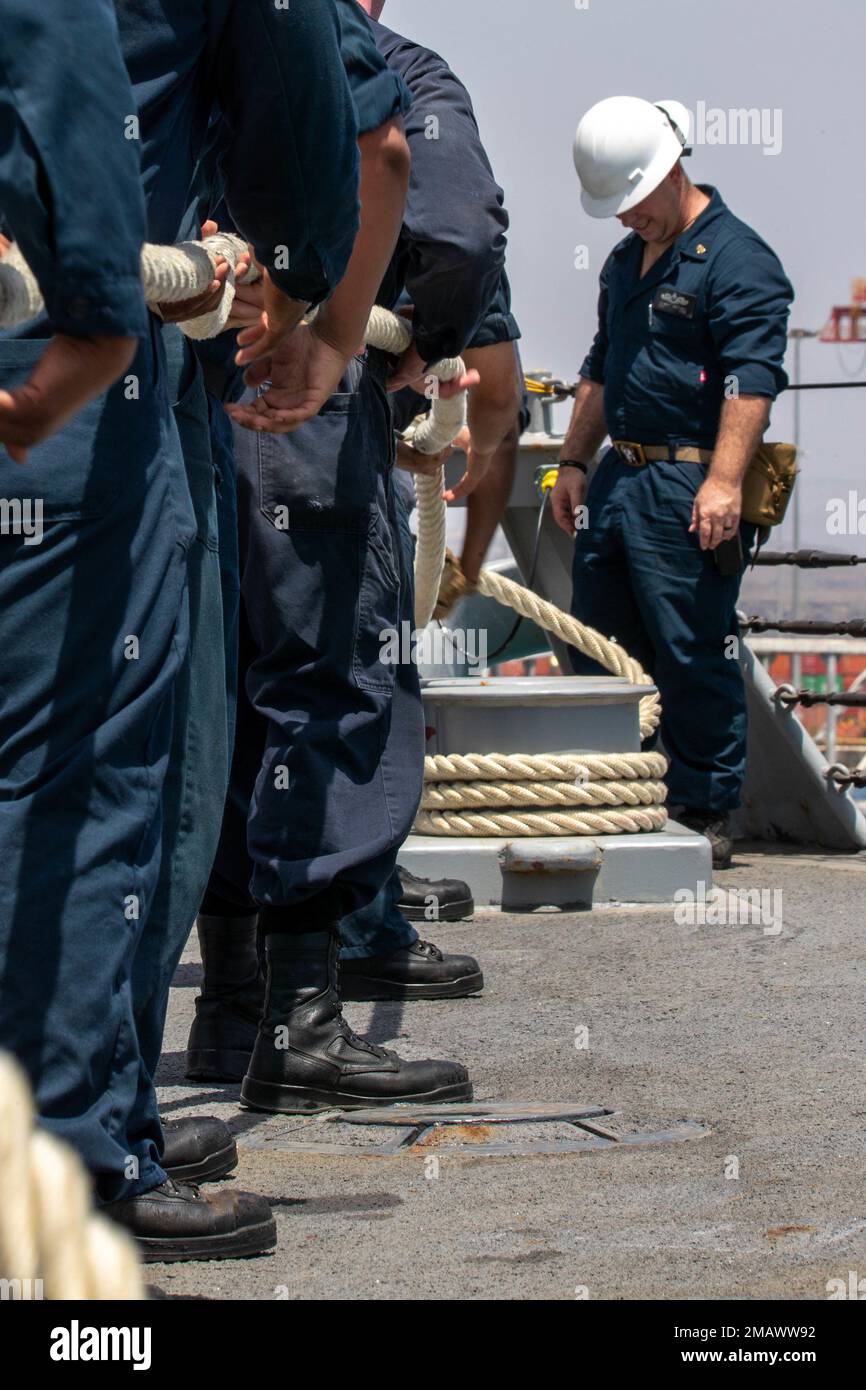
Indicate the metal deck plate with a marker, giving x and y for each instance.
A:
(568, 872)
(515, 1129)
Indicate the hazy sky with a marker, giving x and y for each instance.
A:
(534, 68)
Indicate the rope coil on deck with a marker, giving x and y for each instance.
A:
(48, 1229)
(502, 794)
(530, 794)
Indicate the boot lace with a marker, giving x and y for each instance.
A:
(427, 948)
(353, 1038)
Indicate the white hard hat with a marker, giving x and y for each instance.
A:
(623, 148)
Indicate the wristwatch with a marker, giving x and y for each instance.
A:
(573, 463)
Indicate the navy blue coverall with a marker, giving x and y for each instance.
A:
(91, 619)
(380, 928)
(95, 619)
(665, 362)
(328, 763)
(265, 68)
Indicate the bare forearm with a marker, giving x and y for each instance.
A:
(741, 430)
(485, 506)
(719, 499)
(494, 403)
(587, 428)
(385, 164)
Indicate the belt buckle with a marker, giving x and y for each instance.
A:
(632, 454)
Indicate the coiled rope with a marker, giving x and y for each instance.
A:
(493, 798)
(522, 794)
(527, 794)
(48, 1229)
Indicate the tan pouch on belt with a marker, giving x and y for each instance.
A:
(768, 484)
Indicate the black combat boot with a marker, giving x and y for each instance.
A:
(306, 1056)
(228, 1010)
(715, 825)
(419, 971)
(198, 1148)
(434, 899)
(176, 1222)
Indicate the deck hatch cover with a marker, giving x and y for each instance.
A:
(509, 1128)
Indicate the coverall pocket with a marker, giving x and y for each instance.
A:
(683, 334)
(675, 550)
(672, 326)
(378, 609)
(322, 477)
(77, 473)
(193, 426)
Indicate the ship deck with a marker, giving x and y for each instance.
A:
(757, 1036)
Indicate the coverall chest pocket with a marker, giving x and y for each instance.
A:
(674, 327)
(677, 310)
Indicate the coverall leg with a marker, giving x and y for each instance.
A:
(380, 928)
(195, 784)
(639, 575)
(93, 628)
(327, 749)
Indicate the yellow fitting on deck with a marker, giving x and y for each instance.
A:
(539, 388)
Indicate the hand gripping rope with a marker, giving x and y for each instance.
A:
(499, 794)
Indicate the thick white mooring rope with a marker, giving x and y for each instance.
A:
(169, 275)
(172, 274)
(52, 1242)
(429, 434)
(524, 794)
(629, 802)
(503, 794)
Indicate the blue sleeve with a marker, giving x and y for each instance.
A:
(289, 154)
(594, 362)
(499, 324)
(749, 298)
(378, 93)
(70, 181)
(455, 222)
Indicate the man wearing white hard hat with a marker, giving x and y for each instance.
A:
(681, 375)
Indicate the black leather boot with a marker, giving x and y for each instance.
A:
(434, 899)
(228, 1010)
(306, 1056)
(176, 1222)
(198, 1148)
(419, 971)
(716, 825)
